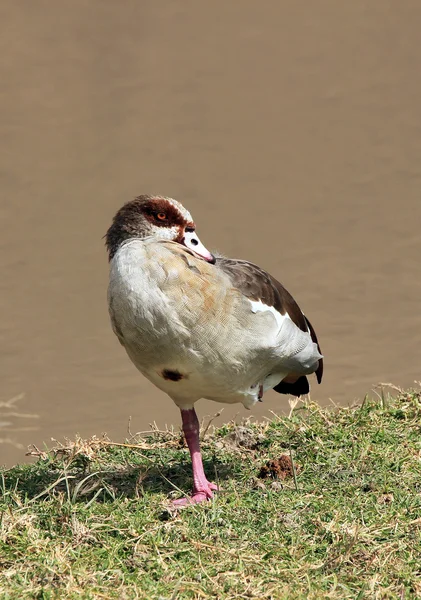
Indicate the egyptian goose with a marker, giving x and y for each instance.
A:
(200, 326)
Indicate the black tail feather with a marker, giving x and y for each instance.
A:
(299, 388)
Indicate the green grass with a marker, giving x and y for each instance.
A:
(92, 519)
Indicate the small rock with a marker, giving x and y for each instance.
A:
(385, 499)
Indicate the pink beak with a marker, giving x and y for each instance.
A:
(192, 242)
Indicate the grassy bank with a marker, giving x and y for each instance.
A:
(341, 520)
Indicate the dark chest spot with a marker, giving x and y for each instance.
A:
(172, 375)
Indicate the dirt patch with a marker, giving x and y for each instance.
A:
(279, 468)
(244, 437)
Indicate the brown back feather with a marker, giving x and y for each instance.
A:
(256, 284)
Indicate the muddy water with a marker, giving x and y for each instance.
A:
(293, 134)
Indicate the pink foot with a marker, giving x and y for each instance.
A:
(199, 495)
(202, 488)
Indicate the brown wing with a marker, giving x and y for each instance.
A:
(256, 284)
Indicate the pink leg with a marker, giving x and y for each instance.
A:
(202, 489)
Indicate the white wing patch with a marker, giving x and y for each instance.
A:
(259, 306)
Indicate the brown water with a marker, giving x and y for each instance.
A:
(292, 132)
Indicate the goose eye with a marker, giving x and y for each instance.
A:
(161, 216)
